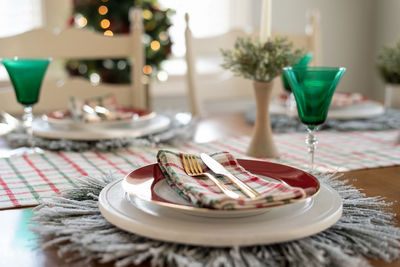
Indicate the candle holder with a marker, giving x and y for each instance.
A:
(266, 18)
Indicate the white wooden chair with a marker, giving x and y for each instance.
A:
(78, 44)
(222, 88)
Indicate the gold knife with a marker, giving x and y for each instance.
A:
(217, 168)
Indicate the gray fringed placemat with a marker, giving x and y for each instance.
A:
(180, 129)
(73, 224)
(284, 124)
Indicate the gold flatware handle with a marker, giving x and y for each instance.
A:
(193, 168)
(250, 192)
(222, 187)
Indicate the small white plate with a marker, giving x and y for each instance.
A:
(163, 189)
(157, 124)
(278, 225)
(362, 110)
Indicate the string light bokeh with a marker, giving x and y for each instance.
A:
(110, 17)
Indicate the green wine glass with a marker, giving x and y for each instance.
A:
(26, 77)
(291, 102)
(303, 62)
(313, 88)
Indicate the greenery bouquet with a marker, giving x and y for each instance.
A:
(258, 61)
(389, 63)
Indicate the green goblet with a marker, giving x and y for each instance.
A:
(313, 88)
(291, 102)
(26, 76)
(303, 62)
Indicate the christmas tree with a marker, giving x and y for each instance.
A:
(111, 17)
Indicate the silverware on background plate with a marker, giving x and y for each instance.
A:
(193, 168)
(217, 168)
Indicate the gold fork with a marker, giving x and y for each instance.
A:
(193, 168)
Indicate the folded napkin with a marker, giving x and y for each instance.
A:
(204, 193)
(97, 109)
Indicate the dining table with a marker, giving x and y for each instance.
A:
(19, 245)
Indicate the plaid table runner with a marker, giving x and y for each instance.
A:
(25, 180)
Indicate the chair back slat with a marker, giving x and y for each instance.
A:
(224, 41)
(70, 43)
(78, 44)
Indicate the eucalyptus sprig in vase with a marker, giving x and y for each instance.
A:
(261, 62)
(389, 69)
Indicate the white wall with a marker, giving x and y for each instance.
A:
(352, 33)
(347, 35)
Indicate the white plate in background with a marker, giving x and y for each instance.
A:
(363, 110)
(157, 124)
(62, 119)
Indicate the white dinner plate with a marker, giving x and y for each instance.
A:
(363, 110)
(62, 119)
(278, 225)
(159, 123)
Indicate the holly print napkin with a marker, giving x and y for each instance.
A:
(202, 192)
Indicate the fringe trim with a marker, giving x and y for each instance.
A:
(180, 129)
(73, 224)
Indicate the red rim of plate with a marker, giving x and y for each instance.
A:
(145, 179)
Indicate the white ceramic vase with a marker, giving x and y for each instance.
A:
(262, 144)
(392, 98)
(392, 95)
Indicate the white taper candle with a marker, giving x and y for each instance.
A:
(265, 27)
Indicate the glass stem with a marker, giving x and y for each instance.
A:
(311, 141)
(27, 119)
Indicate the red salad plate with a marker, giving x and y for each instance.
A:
(148, 186)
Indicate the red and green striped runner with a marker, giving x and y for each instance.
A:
(25, 180)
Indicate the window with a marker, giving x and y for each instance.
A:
(18, 16)
(207, 18)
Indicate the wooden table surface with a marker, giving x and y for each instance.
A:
(17, 242)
